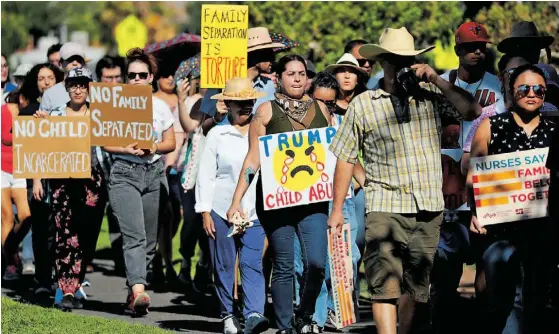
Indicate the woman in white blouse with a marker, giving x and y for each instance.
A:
(222, 160)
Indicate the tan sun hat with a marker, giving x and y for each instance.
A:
(259, 38)
(347, 60)
(238, 89)
(395, 41)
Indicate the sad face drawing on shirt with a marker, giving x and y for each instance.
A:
(298, 165)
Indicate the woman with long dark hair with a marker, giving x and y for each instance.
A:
(291, 109)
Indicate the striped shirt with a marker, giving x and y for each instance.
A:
(402, 160)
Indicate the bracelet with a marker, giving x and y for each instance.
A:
(215, 121)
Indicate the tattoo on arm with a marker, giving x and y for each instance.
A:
(257, 116)
(249, 173)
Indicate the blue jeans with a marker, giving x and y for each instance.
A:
(325, 299)
(311, 231)
(223, 252)
(359, 202)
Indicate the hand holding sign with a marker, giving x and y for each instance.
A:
(476, 227)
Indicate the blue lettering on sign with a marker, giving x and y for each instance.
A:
(264, 140)
(282, 140)
(330, 133)
(536, 159)
(314, 136)
(498, 164)
(295, 142)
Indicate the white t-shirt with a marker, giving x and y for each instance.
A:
(162, 120)
(486, 91)
(221, 164)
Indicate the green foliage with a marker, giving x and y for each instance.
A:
(500, 17)
(330, 25)
(98, 18)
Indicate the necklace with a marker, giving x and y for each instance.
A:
(468, 85)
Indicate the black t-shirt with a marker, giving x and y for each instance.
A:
(30, 110)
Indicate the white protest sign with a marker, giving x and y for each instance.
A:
(511, 187)
(297, 167)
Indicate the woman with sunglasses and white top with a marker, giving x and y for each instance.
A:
(136, 183)
(515, 250)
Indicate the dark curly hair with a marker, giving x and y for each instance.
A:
(137, 54)
(29, 89)
(325, 80)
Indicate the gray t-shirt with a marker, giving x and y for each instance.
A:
(54, 97)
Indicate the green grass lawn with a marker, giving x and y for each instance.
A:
(24, 318)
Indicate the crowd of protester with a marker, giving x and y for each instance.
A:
(393, 127)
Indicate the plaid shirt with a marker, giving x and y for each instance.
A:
(402, 161)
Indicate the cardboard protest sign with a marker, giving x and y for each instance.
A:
(224, 44)
(56, 147)
(511, 187)
(121, 115)
(297, 168)
(341, 273)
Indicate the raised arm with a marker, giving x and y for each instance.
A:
(462, 101)
(251, 163)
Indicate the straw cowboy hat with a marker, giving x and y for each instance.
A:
(347, 60)
(524, 35)
(259, 38)
(238, 89)
(394, 41)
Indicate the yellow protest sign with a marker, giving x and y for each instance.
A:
(224, 44)
(130, 33)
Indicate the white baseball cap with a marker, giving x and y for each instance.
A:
(72, 49)
(22, 70)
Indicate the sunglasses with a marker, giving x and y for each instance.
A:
(522, 91)
(331, 105)
(364, 61)
(142, 75)
(510, 71)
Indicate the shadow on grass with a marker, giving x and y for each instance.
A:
(195, 326)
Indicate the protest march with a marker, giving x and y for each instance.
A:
(304, 198)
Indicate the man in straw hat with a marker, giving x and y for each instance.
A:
(397, 128)
(260, 57)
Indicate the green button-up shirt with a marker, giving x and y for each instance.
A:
(402, 161)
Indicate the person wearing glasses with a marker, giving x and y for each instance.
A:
(523, 246)
(137, 182)
(76, 204)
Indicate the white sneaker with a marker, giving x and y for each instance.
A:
(28, 268)
(231, 325)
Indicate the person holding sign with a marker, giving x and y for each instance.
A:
(290, 110)
(136, 184)
(222, 160)
(520, 244)
(77, 204)
(396, 126)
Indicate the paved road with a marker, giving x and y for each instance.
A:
(169, 310)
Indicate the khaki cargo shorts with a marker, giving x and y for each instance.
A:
(400, 252)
